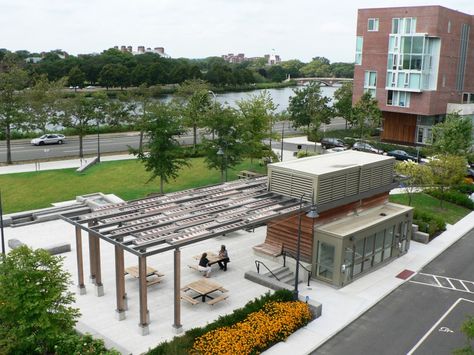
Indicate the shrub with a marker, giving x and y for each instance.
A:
(453, 196)
(261, 329)
(465, 188)
(428, 223)
(304, 154)
(75, 344)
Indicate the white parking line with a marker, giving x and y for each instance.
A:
(462, 283)
(450, 282)
(417, 345)
(437, 281)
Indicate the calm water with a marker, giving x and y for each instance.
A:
(280, 96)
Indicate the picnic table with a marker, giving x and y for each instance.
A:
(211, 256)
(133, 271)
(204, 288)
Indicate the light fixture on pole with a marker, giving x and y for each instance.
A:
(220, 153)
(98, 141)
(1, 224)
(312, 213)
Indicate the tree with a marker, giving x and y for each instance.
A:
(224, 123)
(468, 329)
(257, 118)
(453, 136)
(114, 75)
(42, 103)
(343, 102)
(13, 81)
(309, 108)
(342, 70)
(81, 113)
(318, 67)
(165, 156)
(76, 77)
(447, 170)
(366, 114)
(416, 176)
(194, 97)
(292, 67)
(35, 302)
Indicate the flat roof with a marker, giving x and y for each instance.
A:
(329, 163)
(363, 220)
(156, 224)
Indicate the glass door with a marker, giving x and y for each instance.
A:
(325, 266)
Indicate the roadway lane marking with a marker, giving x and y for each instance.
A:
(417, 345)
(439, 284)
(77, 150)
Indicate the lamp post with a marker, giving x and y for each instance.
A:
(98, 141)
(1, 224)
(220, 153)
(311, 214)
(282, 136)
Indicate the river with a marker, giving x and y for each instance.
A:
(280, 97)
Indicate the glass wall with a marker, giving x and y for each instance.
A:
(326, 253)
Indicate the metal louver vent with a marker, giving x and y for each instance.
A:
(291, 185)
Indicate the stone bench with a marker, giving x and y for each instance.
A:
(53, 249)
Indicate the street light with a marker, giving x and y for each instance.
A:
(220, 153)
(98, 141)
(311, 214)
(1, 225)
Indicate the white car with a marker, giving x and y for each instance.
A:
(49, 139)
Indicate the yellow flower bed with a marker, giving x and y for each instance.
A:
(275, 322)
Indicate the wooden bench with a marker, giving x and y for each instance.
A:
(194, 267)
(222, 297)
(246, 174)
(269, 249)
(153, 282)
(189, 299)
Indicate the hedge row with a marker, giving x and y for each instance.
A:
(456, 197)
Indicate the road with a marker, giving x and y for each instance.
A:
(22, 150)
(423, 316)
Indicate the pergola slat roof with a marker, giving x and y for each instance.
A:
(156, 224)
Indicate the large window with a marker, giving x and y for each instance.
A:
(398, 98)
(405, 25)
(370, 82)
(373, 25)
(359, 44)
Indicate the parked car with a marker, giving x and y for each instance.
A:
(327, 143)
(49, 139)
(402, 155)
(366, 147)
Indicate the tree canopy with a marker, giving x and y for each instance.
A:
(453, 136)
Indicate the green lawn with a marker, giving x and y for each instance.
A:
(451, 213)
(126, 179)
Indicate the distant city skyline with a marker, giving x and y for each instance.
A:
(297, 29)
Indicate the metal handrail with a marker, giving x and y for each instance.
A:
(285, 252)
(258, 263)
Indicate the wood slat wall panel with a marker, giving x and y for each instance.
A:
(398, 127)
(284, 231)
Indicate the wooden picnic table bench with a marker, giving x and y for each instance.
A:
(246, 174)
(203, 288)
(134, 272)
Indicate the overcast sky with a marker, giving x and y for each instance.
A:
(298, 29)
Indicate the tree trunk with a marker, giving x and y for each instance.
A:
(81, 152)
(9, 148)
(140, 142)
(194, 137)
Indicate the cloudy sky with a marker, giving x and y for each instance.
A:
(193, 28)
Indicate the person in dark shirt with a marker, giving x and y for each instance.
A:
(204, 265)
(224, 256)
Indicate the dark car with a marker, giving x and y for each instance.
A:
(402, 155)
(327, 143)
(366, 147)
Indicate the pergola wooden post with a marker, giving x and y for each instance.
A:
(92, 254)
(120, 282)
(144, 314)
(80, 264)
(177, 326)
(99, 288)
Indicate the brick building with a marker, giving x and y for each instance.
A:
(419, 64)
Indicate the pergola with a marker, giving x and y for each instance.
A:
(154, 225)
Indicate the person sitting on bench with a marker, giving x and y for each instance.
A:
(224, 258)
(204, 265)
